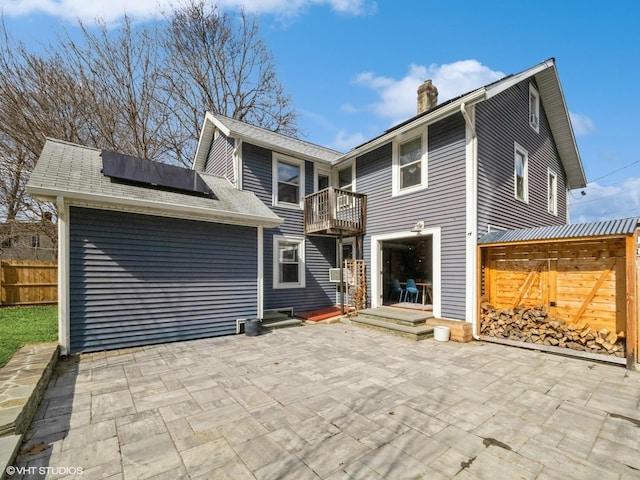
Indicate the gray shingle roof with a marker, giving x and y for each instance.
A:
(75, 172)
(278, 141)
(619, 227)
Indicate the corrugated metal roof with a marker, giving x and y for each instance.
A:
(618, 227)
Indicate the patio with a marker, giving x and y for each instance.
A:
(335, 402)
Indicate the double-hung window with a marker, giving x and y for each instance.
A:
(534, 108)
(410, 165)
(521, 160)
(288, 182)
(288, 262)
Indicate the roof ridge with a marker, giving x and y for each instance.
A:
(71, 144)
(331, 150)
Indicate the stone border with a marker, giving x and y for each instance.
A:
(23, 381)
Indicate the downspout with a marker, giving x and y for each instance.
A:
(63, 276)
(471, 154)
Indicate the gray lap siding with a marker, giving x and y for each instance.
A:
(138, 279)
(441, 204)
(501, 121)
(320, 252)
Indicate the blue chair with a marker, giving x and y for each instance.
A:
(397, 288)
(412, 289)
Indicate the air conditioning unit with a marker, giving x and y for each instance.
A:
(334, 276)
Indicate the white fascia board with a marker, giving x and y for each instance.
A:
(512, 80)
(108, 202)
(443, 112)
(202, 150)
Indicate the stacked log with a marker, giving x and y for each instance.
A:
(536, 325)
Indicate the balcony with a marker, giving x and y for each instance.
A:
(333, 211)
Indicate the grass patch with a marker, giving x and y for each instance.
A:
(23, 325)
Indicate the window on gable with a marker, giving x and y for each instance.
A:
(288, 185)
(288, 264)
(409, 171)
(35, 241)
(534, 108)
(521, 158)
(553, 193)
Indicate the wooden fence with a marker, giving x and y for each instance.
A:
(28, 282)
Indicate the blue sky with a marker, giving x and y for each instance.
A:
(352, 67)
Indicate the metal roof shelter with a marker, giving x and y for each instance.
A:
(618, 227)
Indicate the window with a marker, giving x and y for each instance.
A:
(288, 182)
(553, 193)
(35, 241)
(345, 178)
(520, 173)
(322, 178)
(288, 262)
(534, 108)
(409, 165)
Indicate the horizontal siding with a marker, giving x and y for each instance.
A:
(320, 252)
(501, 121)
(442, 204)
(220, 158)
(137, 280)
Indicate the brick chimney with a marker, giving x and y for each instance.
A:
(427, 96)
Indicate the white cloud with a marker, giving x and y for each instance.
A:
(145, 9)
(398, 97)
(603, 202)
(344, 142)
(582, 125)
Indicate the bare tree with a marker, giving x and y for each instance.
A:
(218, 62)
(140, 90)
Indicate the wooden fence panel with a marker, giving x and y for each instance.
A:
(28, 282)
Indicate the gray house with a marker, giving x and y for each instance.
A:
(503, 156)
(141, 263)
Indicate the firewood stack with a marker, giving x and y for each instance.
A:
(536, 325)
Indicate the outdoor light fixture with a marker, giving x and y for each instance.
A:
(418, 227)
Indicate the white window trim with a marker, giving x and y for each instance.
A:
(518, 149)
(534, 120)
(336, 177)
(277, 157)
(320, 170)
(424, 167)
(553, 209)
(277, 239)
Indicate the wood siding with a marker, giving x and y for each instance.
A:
(220, 158)
(138, 280)
(442, 205)
(28, 282)
(501, 121)
(320, 252)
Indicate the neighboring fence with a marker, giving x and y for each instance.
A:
(28, 282)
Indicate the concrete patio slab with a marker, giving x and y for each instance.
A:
(334, 402)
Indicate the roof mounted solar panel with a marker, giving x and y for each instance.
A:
(156, 174)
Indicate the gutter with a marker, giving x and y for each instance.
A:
(158, 209)
(438, 114)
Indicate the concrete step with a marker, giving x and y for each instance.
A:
(417, 332)
(9, 446)
(408, 318)
(281, 323)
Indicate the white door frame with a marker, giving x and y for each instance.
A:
(376, 265)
